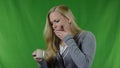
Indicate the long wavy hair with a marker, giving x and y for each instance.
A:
(52, 41)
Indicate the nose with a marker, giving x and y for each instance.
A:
(54, 26)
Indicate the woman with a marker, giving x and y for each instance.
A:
(67, 45)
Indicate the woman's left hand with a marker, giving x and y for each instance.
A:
(62, 34)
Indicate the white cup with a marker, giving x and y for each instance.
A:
(40, 53)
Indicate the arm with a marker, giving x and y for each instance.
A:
(84, 58)
(42, 64)
(39, 56)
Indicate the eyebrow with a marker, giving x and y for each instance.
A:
(54, 20)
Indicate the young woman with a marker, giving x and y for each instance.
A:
(68, 46)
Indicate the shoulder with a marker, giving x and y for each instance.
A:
(84, 35)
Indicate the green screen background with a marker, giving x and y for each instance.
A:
(22, 23)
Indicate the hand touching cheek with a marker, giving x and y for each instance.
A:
(62, 34)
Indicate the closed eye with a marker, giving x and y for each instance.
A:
(56, 21)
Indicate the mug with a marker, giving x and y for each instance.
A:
(40, 53)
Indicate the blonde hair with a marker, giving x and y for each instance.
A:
(52, 41)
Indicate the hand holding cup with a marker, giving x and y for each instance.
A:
(38, 55)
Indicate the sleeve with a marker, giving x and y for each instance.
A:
(42, 64)
(82, 58)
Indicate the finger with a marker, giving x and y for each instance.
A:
(37, 59)
(56, 32)
(34, 53)
(59, 31)
(38, 53)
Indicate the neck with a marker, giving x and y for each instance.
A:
(62, 43)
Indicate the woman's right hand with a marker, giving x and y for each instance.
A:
(38, 55)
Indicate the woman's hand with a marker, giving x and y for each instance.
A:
(62, 34)
(38, 55)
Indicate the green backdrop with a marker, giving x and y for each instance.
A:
(22, 23)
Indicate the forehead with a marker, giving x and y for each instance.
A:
(54, 15)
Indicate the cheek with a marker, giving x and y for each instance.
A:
(59, 26)
(65, 21)
(62, 23)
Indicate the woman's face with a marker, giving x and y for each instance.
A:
(57, 21)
